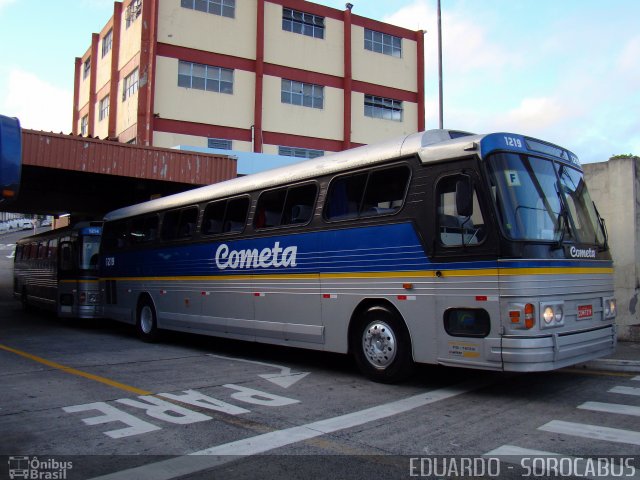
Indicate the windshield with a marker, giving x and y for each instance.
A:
(89, 246)
(537, 199)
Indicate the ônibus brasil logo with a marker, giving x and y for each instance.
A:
(254, 258)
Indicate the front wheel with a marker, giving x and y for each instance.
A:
(146, 322)
(381, 346)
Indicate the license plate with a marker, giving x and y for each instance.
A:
(585, 311)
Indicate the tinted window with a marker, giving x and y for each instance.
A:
(377, 192)
(179, 224)
(455, 229)
(285, 206)
(225, 216)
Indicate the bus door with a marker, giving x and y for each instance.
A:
(464, 256)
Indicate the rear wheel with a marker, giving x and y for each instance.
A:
(146, 321)
(381, 346)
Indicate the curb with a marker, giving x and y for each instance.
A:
(613, 365)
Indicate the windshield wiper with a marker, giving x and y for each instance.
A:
(603, 226)
(563, 219)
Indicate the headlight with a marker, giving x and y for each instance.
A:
(609, 308)
(548, 315)
(552, 315)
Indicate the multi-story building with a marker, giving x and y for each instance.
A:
(285, 77)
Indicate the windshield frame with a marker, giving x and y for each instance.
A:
(555, 207)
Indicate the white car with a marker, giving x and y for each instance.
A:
(25, 224)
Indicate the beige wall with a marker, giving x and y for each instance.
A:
(298, 120)
(204, 31)
(381, 69)
(615, 189)
(85, 83)
(201, 106)
(130, 39)
(371, 130)
(301, 51)
(170, 140)
(101, 127)
(103, 73)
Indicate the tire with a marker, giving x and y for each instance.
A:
(381, 346)
(146, 322)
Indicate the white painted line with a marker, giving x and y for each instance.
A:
(221, 454)
(611, 408)
(626, 391)
(593, 432)
(284, 379)
(577, 466)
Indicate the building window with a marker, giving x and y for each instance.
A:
(84, 125)
(382, 43)
(107, 42)
(130, 85)
(305, 94)
(103, 108)
(86, 68)
(219, 143)
(133, 11)
(303, 23)
(386, 108)
(224, 8)
(299, 152)
(205, 77)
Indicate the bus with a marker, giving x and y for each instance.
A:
(57, 270)
(441, 247)
(10, 159)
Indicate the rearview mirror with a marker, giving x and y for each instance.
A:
(464, 197)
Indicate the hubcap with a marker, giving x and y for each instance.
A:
(379, 344)
(146, 319)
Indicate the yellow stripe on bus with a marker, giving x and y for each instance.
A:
(403, 274)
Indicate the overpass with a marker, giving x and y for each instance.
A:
(88, 177)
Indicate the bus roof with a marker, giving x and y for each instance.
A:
(430, 146)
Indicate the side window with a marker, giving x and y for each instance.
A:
(53, 248)
(115, 235)
(385, 191)
(455, 230)
(179, 224)
(285, 206)
(299, 205)
(378, 192)
(225, 216)
(144, 229)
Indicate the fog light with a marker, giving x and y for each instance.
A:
(559, 315)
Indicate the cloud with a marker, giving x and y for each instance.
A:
(37, 104)
(4, 3)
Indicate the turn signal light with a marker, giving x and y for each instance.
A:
(529, 316)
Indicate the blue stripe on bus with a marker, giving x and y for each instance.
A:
(383, 248)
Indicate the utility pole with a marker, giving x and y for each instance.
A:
(440, 108)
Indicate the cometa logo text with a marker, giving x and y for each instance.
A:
(254, 258)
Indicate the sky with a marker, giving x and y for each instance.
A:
(566, 71)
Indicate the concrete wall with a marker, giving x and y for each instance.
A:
(615, 189)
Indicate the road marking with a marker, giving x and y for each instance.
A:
(611, 408)
(74, 371)
(593, 432)
(229, 452)
(284, 379)
(577, 466)
(626, 391)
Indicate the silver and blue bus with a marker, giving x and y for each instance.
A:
(57, 270)
(441, 247)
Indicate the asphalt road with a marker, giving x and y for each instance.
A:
(88, 399)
